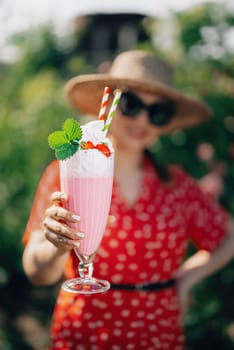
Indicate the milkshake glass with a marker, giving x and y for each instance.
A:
(87, 179)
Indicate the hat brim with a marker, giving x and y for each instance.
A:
(85, 94)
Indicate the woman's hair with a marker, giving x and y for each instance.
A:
(161, 169)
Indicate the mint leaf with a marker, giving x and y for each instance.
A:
(66, 151)
(57, 139)
(66, 142)
(72, 129)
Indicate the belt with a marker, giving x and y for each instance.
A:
(145, 287)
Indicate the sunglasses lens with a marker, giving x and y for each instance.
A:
(161, 113)
(129, 104)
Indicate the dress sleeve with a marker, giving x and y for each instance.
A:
(207, 220)
(49, 183)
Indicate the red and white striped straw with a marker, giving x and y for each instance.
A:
(104, 103)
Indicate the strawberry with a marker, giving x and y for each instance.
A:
(102, 147)
(89, 145)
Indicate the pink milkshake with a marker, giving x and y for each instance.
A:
(87, 178)
(89, 195)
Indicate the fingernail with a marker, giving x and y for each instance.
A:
(63, 197)
(80, 235)
(76, 217)
(76, 244)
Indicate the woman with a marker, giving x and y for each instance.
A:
(157, 210)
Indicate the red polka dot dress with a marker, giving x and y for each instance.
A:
(147, 243)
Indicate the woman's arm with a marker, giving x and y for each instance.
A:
(202, 264)
(43, 262)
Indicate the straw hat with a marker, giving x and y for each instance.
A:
(136, 70)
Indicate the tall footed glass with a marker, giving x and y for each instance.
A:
(87, 179)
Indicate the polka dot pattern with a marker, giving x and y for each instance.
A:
(147, 243)
(117, 320)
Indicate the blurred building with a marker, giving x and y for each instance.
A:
(102, 35)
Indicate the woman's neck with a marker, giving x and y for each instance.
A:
(129, 175)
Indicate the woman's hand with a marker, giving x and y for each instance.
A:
(56, 224)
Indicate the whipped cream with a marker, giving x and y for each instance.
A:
(93, 132)
(91, 162)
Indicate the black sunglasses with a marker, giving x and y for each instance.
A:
(159, 113)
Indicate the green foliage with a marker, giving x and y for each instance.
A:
(190, 24)
(25, 121)
(41, 50)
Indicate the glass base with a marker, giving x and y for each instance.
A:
(86, 286)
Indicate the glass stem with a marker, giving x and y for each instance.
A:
(85, 270)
